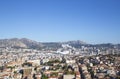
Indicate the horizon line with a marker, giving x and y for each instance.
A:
(56, 41)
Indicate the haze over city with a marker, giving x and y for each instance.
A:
(92, 21)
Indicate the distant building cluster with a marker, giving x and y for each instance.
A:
(66, 63)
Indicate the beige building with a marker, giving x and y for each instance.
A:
(68, 76)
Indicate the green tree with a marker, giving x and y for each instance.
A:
(44, 77)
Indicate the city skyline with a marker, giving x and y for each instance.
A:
(56, 21)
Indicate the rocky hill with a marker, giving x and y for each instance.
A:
(20, 43)
(27, 43)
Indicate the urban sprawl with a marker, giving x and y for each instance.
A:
(66, 62)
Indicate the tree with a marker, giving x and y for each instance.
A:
(44, 77)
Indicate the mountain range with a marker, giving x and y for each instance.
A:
(27, 43)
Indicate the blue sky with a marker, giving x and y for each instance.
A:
(92, 21)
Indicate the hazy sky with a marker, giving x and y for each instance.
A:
(93, 21)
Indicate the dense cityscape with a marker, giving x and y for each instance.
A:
(68, 61)
(59, 39)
